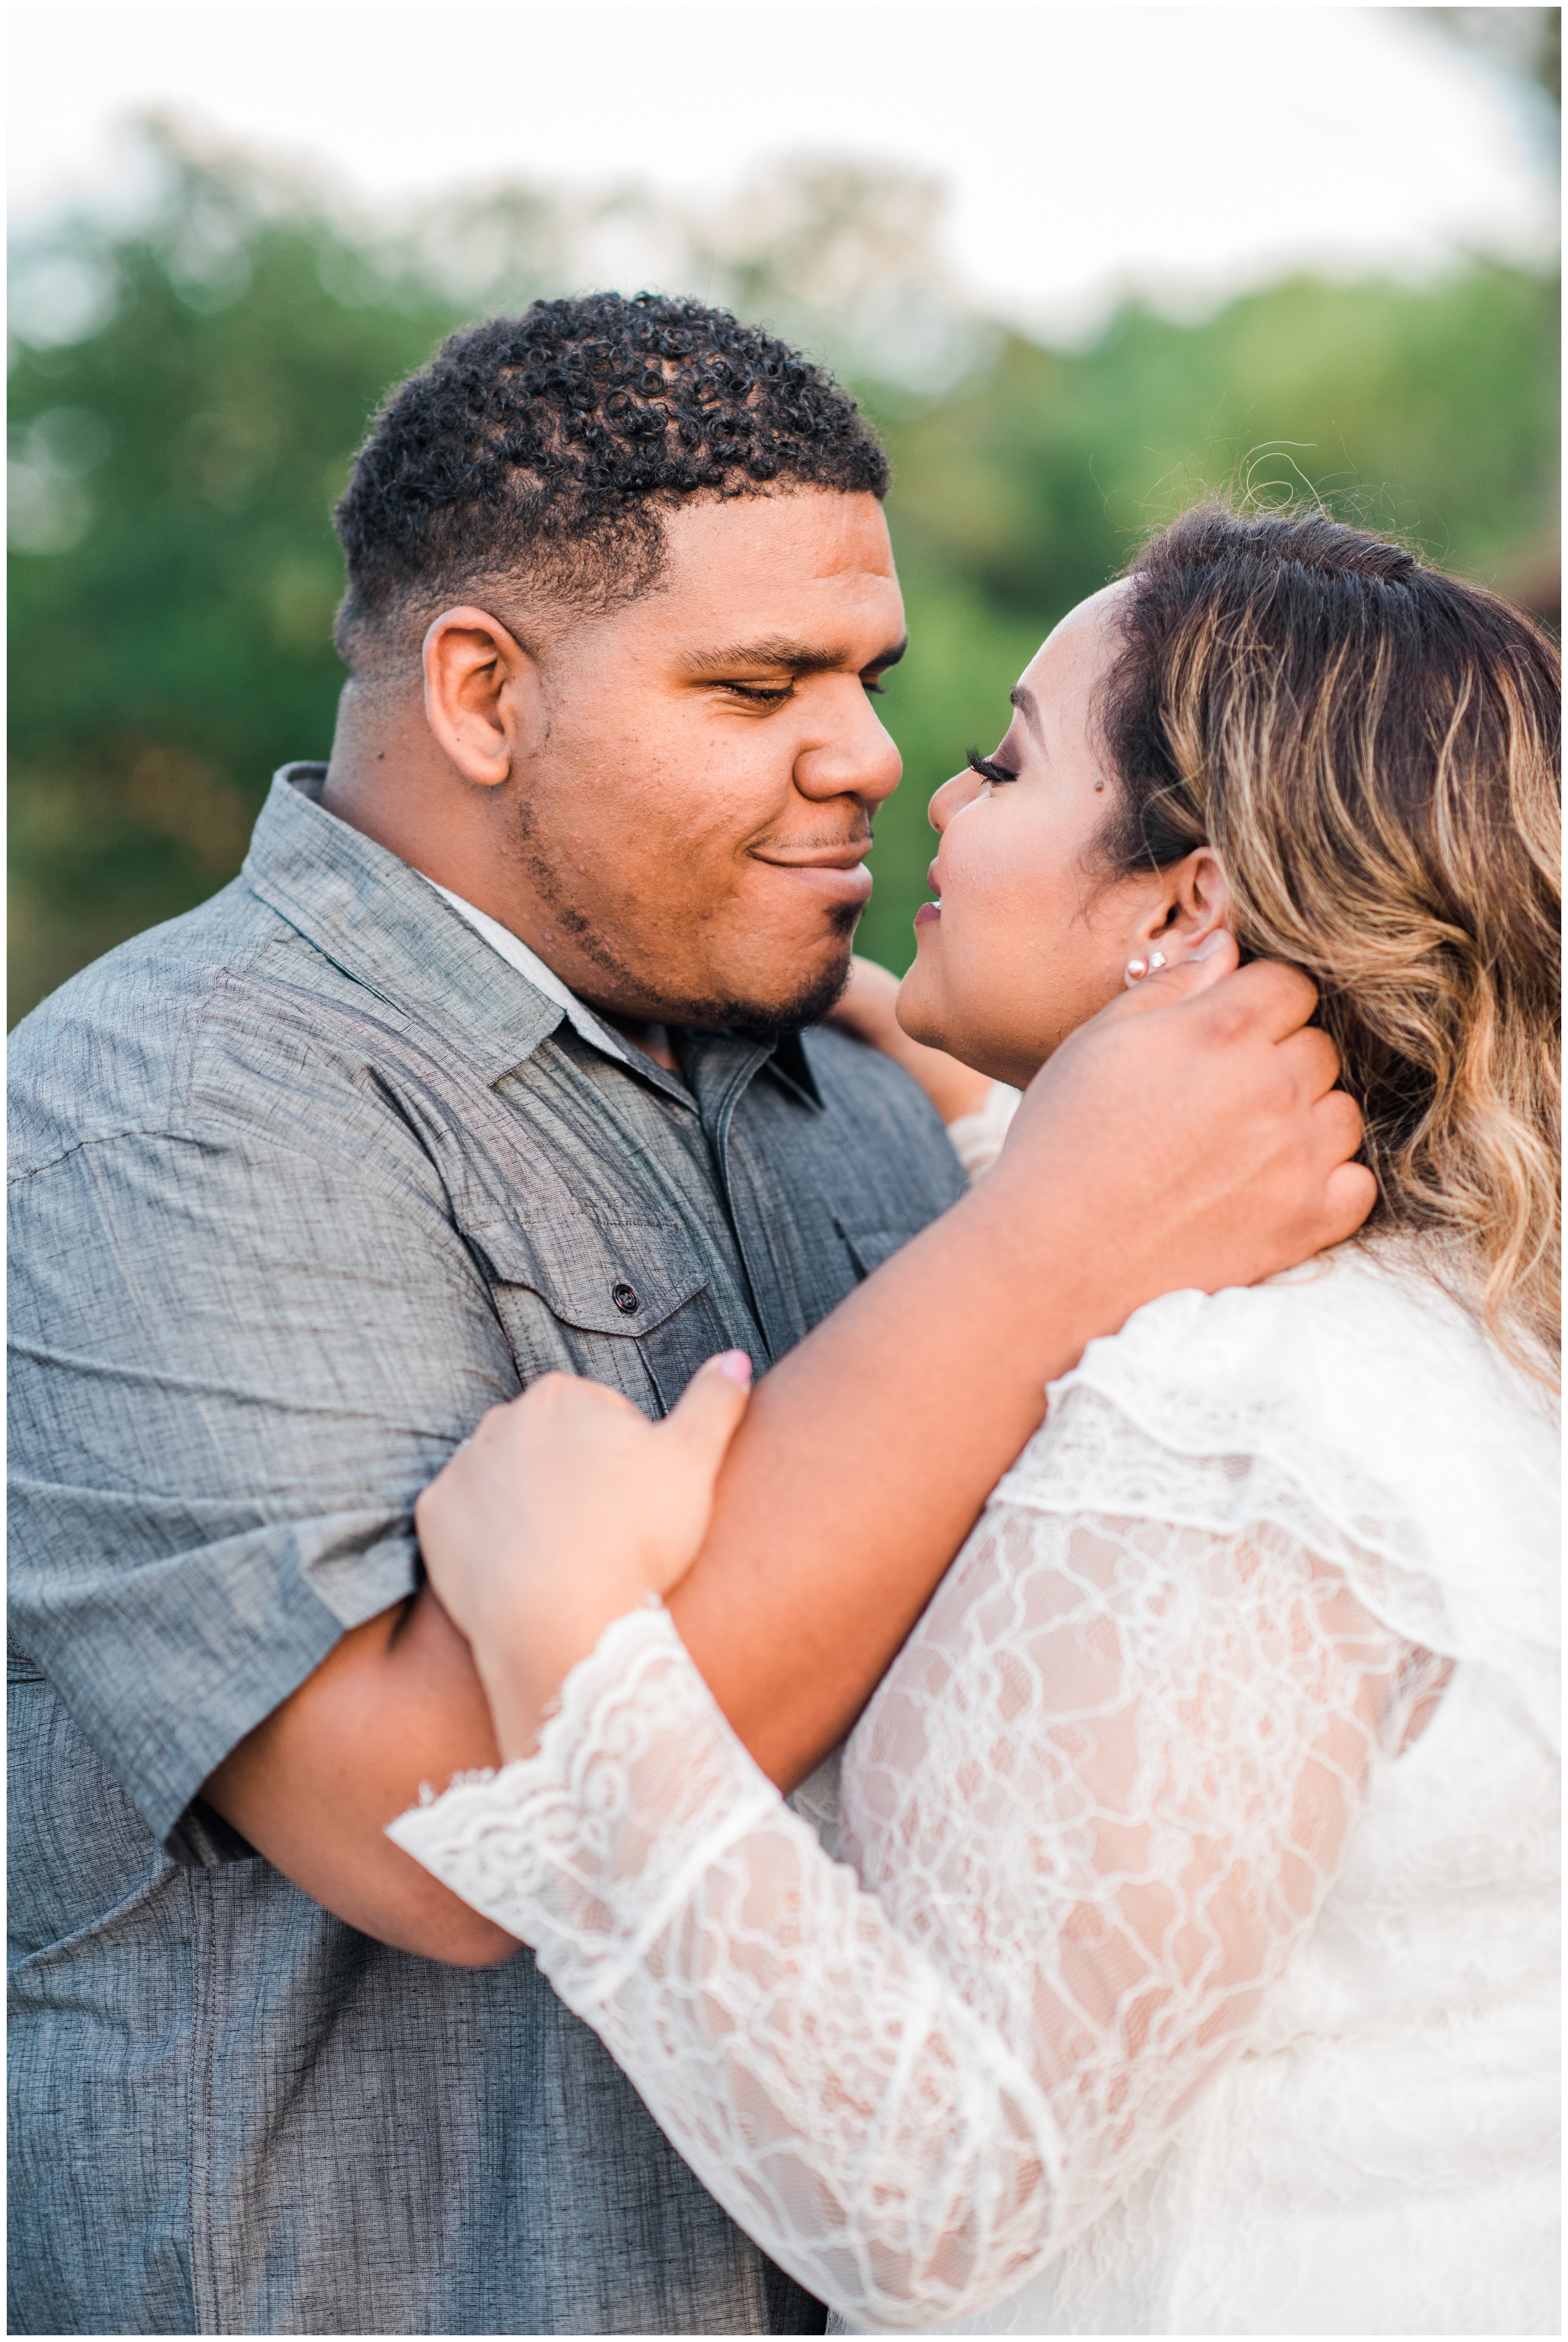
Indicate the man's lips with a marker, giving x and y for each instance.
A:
(840, 877)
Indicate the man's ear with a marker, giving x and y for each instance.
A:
(480, 694)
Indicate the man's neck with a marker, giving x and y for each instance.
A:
(654, 1040)
(413, 820)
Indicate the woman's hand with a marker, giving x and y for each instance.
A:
(868, 1009)
(565, 1509)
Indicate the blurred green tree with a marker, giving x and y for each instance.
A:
(173, 574)
(187, 392)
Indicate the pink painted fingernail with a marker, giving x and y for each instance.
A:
(737, 1366)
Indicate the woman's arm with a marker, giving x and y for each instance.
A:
(1100, 1798)
(869, 1451)
(1190, 1135)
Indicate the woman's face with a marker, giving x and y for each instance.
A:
(1029, 938)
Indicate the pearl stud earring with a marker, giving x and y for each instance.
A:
(1136, 968)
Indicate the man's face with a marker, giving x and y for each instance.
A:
(693, 818)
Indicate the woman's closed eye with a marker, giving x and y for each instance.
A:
(989, 769)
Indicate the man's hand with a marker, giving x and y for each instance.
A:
(1189, 1135)
(1205, 1104)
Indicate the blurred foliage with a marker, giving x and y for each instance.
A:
(1429, 414)
(187, 390)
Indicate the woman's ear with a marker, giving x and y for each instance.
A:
(1202, 903)
(1194, 903)
(481, 690)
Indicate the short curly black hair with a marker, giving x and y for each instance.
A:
(538, 453)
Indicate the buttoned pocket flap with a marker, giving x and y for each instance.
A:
(624, 1279)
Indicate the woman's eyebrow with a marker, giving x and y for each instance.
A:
(1025, 701)
(783, 651)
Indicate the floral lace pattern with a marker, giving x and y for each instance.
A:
(1094, 1810)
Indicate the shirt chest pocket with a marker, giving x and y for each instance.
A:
(627, 1304)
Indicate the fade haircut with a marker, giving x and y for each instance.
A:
(533, 458)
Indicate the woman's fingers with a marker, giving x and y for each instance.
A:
(707, 1414)
(1351, 1193)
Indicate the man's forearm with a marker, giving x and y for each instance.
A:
(871, 1448)
(395, 1704)
(869, 1452)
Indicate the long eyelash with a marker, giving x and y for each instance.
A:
(988, 769)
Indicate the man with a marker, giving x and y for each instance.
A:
(492, 1061)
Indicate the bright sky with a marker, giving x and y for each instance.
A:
(1083, 149)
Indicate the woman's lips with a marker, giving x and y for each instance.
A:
(928, 912)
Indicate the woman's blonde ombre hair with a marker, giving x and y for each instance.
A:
(1371, 749)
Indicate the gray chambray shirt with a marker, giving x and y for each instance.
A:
(302, 1182)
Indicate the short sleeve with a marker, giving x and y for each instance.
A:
(235, 1365)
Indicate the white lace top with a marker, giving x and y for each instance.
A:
(1191, 1965)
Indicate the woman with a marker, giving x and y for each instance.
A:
(1192, 1964)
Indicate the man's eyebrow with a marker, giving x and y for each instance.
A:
(783, 651)
(1025, 701)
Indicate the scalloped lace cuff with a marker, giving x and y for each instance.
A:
(586, 1848)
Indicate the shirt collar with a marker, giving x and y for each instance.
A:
(516, 953)
(371, 913)
(379, 921)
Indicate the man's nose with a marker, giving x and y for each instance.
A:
(860, 760)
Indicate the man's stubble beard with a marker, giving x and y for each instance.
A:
(808, 1005)
(762, 1022)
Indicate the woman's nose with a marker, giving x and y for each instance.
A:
(951, 797)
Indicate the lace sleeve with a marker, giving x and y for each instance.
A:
(1099, 1797)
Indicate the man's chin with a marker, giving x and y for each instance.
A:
(774, 1019)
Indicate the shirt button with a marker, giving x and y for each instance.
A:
(625, 1299)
